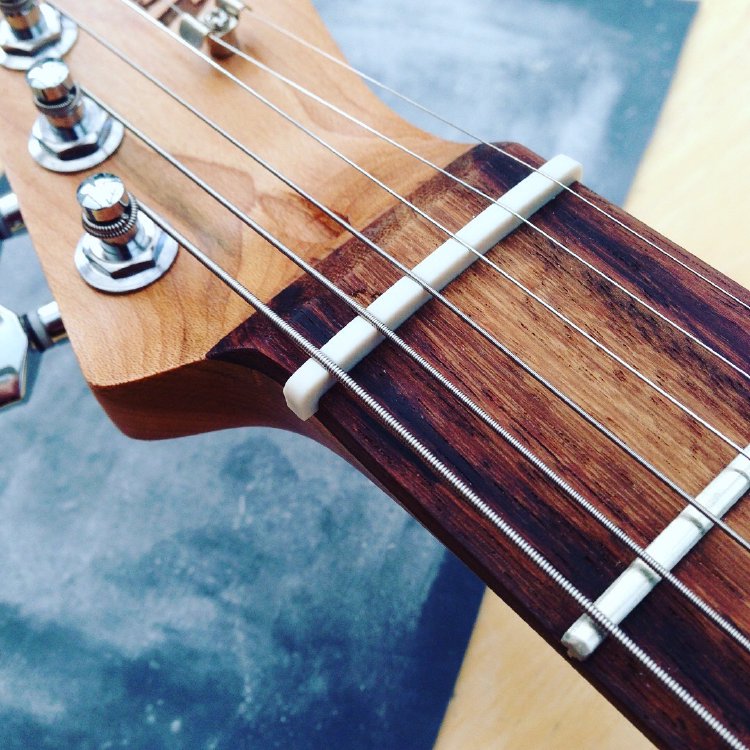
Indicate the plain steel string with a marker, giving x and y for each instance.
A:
(390, 422)
(458, 128)
(612, 355)
(394, 426)
(436, 294)
(718, 619)
(477, 191)
(689, 499)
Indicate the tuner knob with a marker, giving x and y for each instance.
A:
(72, 133)
(22, 338)
(122, 249)
(30, 30)
(11, 222)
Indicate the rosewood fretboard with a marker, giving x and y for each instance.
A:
(668, 627)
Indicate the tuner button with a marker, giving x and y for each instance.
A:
(11, 221)
(50, 80)
(103, 198)
(31, 30)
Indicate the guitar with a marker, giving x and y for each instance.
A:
(226, 370)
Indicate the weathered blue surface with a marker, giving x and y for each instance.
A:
(248, 589)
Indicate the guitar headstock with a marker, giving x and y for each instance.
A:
(131, 340)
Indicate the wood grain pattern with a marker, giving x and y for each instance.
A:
(169, 388)
(111, 354)
(575, 543)
(511, 691)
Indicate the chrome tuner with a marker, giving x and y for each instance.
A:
(218, 23)
(11, 222)
(71, 133)
(22, 338)
(30, 30)
(122, 249)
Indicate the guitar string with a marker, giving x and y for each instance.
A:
(460, 129)
(440, 297)
(487, 511)
(482, 507)
(391, 423)
(477, 191)
(709, 611)
(550, 308)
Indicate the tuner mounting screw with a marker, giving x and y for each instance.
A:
(71, 133)
(122, 249)
(30, 30)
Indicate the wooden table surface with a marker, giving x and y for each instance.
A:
(693, 186)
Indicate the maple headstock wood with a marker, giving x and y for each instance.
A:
(125, 344)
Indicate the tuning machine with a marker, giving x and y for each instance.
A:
(30, 30)
(11, 221)
(71, 133)
(123, 249)
(22, 339)
(218, 23)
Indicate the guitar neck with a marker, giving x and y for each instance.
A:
(613, 364)
(666, 624)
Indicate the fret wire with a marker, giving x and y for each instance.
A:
(477, 191)
(504, 433)
(484, 509)
(479, 140)
(550, 308)
(450, 305)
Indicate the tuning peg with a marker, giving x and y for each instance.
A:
(72, 133)
(22, 339)
(220, 23)
(122, 249)
(11, 222)
(30, 30)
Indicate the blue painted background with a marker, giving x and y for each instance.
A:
(248, 589)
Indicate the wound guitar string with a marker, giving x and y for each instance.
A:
(411, 274)
(738, 448)
(508, 277)
(389, 421)
(270, 23)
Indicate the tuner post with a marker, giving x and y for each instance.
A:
(72, 133)
(122, 249)
(30, 30)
